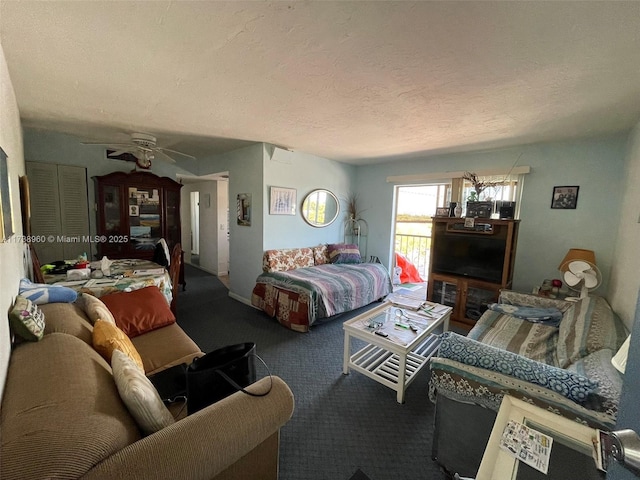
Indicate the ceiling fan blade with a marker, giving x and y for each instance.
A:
(590, 280)
(176, 152)
(160, 155)
(102, 144)
(119, 152)
(578, 266)
(571, 279)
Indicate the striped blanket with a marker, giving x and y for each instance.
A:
(328, 289)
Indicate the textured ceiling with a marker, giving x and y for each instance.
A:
(354, 81)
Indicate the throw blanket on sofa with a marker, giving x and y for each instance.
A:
(330, 289)
(548, 316)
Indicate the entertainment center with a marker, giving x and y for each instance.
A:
(471, 261)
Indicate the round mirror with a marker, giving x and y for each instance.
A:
(320, 208)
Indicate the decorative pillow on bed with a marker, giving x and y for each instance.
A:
(464, 350)
(320, 255)
(344, 253)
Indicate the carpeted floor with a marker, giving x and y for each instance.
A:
(342, 423)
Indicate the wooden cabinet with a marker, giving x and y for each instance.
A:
(470, 265)
(134, 211)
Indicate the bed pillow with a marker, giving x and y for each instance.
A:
(139, 311)
(41, 293)
(464, 350)
(27, 320)
(320, 255)
(344, 253)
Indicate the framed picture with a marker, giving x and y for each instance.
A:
(565, 197)
(442, 212)
(283, 201)
(6, 220)
(134, 211)
(244, 209)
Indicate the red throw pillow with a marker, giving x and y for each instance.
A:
(409, 272)
(139, 311)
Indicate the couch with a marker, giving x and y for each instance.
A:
(564, 367)
(300, 286)
(62, 415)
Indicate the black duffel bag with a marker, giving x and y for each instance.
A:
(221, 373)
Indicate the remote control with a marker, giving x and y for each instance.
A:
(382, 334)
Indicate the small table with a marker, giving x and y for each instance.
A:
(394, 360)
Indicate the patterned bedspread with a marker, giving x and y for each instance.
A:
(323, 291)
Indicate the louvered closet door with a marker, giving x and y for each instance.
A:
(59, 210)
(74, 210)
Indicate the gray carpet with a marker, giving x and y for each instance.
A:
(342, 423)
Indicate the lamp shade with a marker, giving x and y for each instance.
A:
(577, 254)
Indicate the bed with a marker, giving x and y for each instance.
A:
(301, 286)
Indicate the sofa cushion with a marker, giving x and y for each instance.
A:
(598, 367)
(344, 253)
(139, 394)
(94, 308)
(41, 293)
(67, 318)
(139, 311)
(469, 352)
(27, 320)
(532, 340)
(61, 412)
(107, 338)
(165, 347)
(590, 325)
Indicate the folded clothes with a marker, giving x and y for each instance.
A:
(547, 316)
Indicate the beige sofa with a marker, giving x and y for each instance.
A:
(62, 416)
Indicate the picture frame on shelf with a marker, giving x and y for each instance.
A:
(565, 197)
(282, 201)
(442, 212)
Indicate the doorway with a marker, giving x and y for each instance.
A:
(415, 207)
(195, 227)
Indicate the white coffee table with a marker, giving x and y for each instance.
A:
(394, 360)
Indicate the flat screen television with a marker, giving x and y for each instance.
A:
(470, 255)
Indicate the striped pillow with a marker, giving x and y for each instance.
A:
(139, 395)
(344, 253)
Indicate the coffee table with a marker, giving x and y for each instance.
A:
(396, 359)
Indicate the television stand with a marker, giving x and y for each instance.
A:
(470, 265)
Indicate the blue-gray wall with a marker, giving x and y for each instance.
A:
(597, 166)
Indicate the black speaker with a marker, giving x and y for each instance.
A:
(506, 210)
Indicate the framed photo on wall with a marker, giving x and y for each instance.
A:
(283, 201)
(565, 197)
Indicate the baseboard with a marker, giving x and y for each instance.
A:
(237, 297)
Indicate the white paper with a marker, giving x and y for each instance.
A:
(527, 445)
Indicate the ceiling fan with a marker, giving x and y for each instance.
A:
(143, 147)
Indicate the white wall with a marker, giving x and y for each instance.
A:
(625, 278)
(11, 252)
(596, 165)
